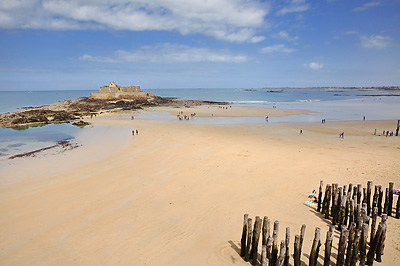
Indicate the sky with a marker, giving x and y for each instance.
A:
(85, 44)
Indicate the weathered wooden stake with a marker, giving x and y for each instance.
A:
(325, 199)
(274, 255)
(296, 255)
(352, 234)
(374, 244)
(334, 192)
(342, 246)
(347, 211)
(391, 184)
(264, 260)
(398, 208)
(244, 235)
(381, 244)
(328, 245)
(287, 240)
(270, 243)
(315, 248)
(327, 202)
(373, 224)
(386, 206)
(342, 213)
(359, 189)
(302, 232)
(369, 188)
(249, 238)
(363, 244)
(380, 197)
(282, 253)
(256, 238)
(351, 212)
(320, 195)
(354, 253)
(335, 208)
(265, 230)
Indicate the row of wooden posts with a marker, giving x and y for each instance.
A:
(352, 246)
(344, 205)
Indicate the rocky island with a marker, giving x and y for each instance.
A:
(110, 98)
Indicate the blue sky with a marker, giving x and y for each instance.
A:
(84, 44)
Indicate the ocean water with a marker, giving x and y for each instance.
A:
(329, 104)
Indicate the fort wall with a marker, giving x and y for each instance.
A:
(115, 91)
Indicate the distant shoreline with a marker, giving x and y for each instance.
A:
(390, 88)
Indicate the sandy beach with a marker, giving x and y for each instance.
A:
(175, 194)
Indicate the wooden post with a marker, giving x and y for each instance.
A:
(325, 199)
(244, 235)
(264, 260)
(274, 255)
(398, 126)
(381, 244)
(347, 210)
(342, 246)
(265, 232)
(374, 245)
(335, 209)
(352, 212)
(327, 202)
(328, 245)
(282, 253)
(355, 192)
(302, 232)
(359, 189)
(369, 188)
(363, 244)
(249, 238)
(391, 184)
(383, 236)
(364, 196)
(352, 234)
(320, 195)
(342, 213)
(398, 208)
(315, 248)
(296, 255)
(350, 189)
(375, 198)
(360, 220)
(256, 238)
(380, 197)
(386, 206)
(270, 243)
(356, 245)
(373, 224)
(287, 240)
(334, 192)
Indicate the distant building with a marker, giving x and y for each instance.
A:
(115, 91)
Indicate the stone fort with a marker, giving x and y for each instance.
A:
(115, 91)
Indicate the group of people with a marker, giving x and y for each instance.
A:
(323, 121)
(133, 132)
(180, 116)
(341, 135)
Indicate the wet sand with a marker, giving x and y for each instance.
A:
(176, 193)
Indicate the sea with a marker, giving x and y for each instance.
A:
(329, 104)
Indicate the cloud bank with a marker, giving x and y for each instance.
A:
(169, 53)
(230, 20)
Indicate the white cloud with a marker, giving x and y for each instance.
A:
(285, 36)
(313, 65)
(375, 41)
(294, 7)
(366, 6)
(231, 20)
(277, 48)
(169, 53)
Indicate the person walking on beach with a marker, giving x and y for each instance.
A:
(133, 132)
(137, 132)
(301, 131)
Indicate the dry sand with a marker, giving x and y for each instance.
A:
(176, 193)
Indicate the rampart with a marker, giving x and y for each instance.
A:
(115, 91)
